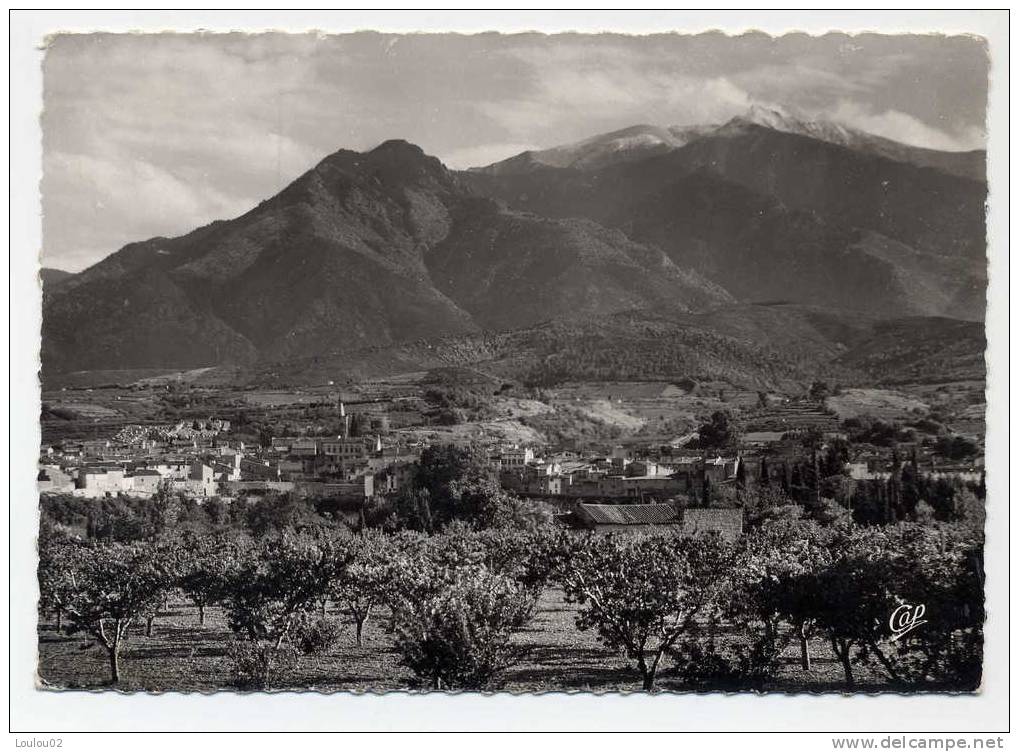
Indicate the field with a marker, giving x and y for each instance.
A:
(182, 656)
(887, 404)
(571, 413)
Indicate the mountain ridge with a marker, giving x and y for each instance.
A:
(770, 214)
(380, 248)
(637, 142)
(343, 256)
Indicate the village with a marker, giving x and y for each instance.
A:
(631, 486)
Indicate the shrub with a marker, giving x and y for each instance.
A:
(261, 664)
(317, 636)
(741, 662)
(956, 447)
(865, 429)
(452, 416)
(454, 633)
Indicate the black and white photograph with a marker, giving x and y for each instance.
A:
(516, 363)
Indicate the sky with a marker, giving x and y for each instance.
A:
(147, 135)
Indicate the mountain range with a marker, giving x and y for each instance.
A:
(640, 141)
(389, 247)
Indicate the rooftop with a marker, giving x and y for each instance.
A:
(629, 514)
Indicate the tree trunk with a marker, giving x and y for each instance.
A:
(359, 629)
(647, 674)
(148, 625)
(649, 681)
(59, 619)
(201, 615)
(805, 652)
(115, 663)
(113, 646)
(322, 612)
(847, 667)
(843, 653)
(893, 674)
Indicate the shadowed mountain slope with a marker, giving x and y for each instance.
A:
(768, 214)
(364, 249)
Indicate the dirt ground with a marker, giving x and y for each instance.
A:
(182, 656)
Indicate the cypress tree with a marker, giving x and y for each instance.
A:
(796, 484)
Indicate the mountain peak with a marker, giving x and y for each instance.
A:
(780, 119)
(624, 145)
(398, 146)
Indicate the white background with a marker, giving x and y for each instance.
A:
(42, 715)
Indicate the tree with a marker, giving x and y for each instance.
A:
(835, 458)
(360, 425)
(513, 513)
(451, 416)
(412, 510)
(941, 569)
(720, 432)
(457, 484)
(275, 586)
(442, 466)
(364, 580)
(839, 488)
(741, 474)
(819, 391)
(738, 643)
(641, 594)
(852, 595)
(206, 562)
(57, 564)
(941, 495)
(969, 509)
(956, 447)
(455, 633)
(277, 512)
(791, 554)
(812, 438)
(112, 585)
(766, 504)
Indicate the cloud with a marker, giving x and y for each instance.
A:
(158, 134)
(907, 129)
(578, 91)
(152, 136)
(96, 205)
